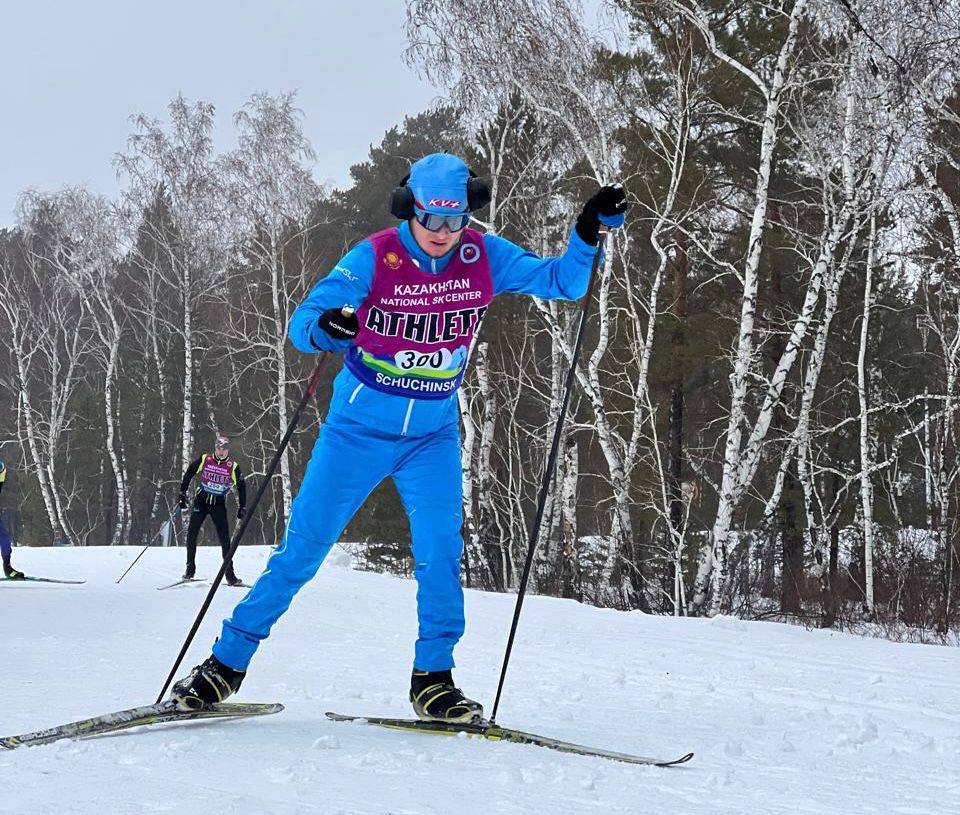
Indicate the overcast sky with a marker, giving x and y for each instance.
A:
(72, 73)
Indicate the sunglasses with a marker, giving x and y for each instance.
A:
(434, 223)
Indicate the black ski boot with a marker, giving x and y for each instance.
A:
(436, 698)
(189, 572)
(12, 574)
(231, 578)
(207, 684)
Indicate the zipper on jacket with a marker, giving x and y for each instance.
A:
(406, 421)
(353, 395)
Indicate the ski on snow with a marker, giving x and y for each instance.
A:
(181, 582)
(166, 712)
(28, 578)
(136, 717)
(494, 732)
(184, 581)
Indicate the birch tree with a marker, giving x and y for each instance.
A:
(177, 161)
(271, 191)
(941, 319)
(48, 340)
(866, 451)
(740, 461)
(156, 328)
(87, 258)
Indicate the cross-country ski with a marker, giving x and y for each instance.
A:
(484, 729)
(32, 578)
(183, 581)
(238, 584)
(145, 716)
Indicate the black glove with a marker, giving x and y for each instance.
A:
(241, 511)
(338, 325)
(182, 500)
(607, 206)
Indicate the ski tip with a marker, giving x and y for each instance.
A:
(675, 762)
(339, 717)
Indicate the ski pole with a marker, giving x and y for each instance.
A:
(238, 534)
(551, 465)
(149, 543)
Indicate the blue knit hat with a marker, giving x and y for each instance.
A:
(439, 184)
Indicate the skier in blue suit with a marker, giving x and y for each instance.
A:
(417, 295)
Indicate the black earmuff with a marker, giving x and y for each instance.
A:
(478, 192)
(401, 199)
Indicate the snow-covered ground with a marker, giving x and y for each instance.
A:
(782, 720)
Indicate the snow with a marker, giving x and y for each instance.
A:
(782, 720)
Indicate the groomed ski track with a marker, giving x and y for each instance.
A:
(782, 720)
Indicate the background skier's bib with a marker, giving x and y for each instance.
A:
(216, 477)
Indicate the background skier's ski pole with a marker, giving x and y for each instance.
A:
(551, 463)
(149, 542)
(311, 386)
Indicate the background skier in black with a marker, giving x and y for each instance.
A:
(217, 473)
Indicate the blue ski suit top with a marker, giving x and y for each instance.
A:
(513, 270)
(369, 435)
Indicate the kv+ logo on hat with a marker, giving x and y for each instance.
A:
(439, 183)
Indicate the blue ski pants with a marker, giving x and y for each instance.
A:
(5, 547)
(349, 459)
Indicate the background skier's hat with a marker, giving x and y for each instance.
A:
(222, 441)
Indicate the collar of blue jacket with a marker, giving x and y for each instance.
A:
(423, 260)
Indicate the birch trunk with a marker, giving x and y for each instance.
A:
(570, 578)
(46, 487)
(162, 390)
(186, 447)
(62, 385)
(476, 462)
(678, 350)
(280, 319)
(120, 526)
(866, 453)
(467, 480)
(738, 464)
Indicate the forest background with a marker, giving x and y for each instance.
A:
(764, 414)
